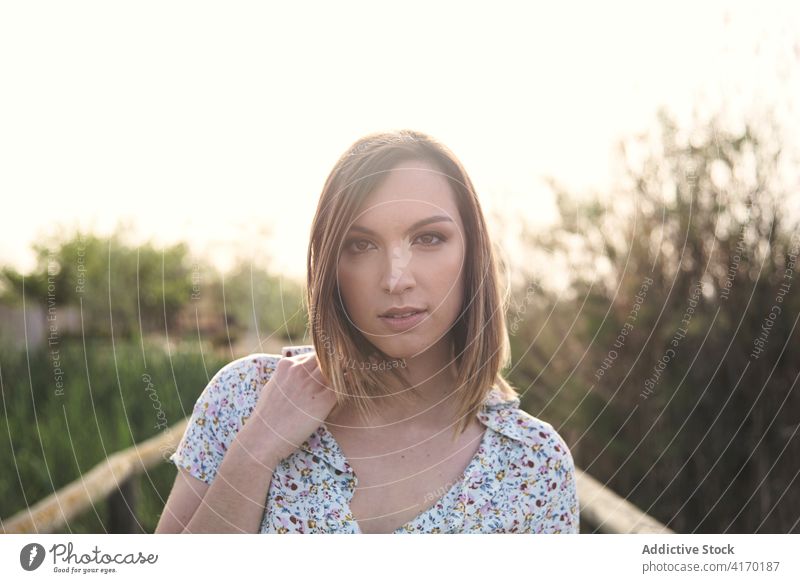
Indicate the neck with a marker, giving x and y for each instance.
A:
(433, 375)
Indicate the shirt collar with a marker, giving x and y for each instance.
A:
(495, 412)
(503, 415)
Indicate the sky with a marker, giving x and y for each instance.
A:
(217, 123)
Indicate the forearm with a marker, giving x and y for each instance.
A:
(234, 503)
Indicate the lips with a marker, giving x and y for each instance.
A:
(400, 324)
(402, 311)
(401, 315)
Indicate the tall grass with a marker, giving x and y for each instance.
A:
(50, 435)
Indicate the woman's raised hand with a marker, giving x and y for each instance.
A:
(294, 402)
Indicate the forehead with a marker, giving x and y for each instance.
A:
(412, 190)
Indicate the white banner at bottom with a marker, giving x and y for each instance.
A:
(331, 558)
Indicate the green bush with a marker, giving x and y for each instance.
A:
(51, 435)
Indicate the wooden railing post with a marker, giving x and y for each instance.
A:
(122, 504)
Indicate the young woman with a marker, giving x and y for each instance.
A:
(397, 418)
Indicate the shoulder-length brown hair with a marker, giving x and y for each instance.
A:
(479, 336)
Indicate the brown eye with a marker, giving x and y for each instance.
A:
(354, 245)
(435, 236)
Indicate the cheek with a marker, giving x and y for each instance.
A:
(352, 289)
(447, 283)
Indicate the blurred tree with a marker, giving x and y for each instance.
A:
(113, 283)
(659, 351)
(259, 309)
(261, 303)
(145, 290)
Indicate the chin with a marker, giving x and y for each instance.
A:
(397, 347)
(406, 347)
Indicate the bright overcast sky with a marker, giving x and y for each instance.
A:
(218, 123)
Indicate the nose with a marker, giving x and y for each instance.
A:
(397, 275)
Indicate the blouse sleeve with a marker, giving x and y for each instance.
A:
(553, 501)
(562, 512)
(210, 429)
(565, 505)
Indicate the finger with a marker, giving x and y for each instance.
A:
(320, 378)
(311, 364)
(302, 359)
(323, 381)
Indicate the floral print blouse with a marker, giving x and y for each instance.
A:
(521, 480)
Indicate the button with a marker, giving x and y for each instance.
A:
(295, 350)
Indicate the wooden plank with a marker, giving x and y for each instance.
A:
(95, 486)
(609, 513)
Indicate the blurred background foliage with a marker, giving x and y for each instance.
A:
(49, 440)
(712, 447)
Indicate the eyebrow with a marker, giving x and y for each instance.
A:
(417, 225)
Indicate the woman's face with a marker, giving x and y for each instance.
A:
(390, 259)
